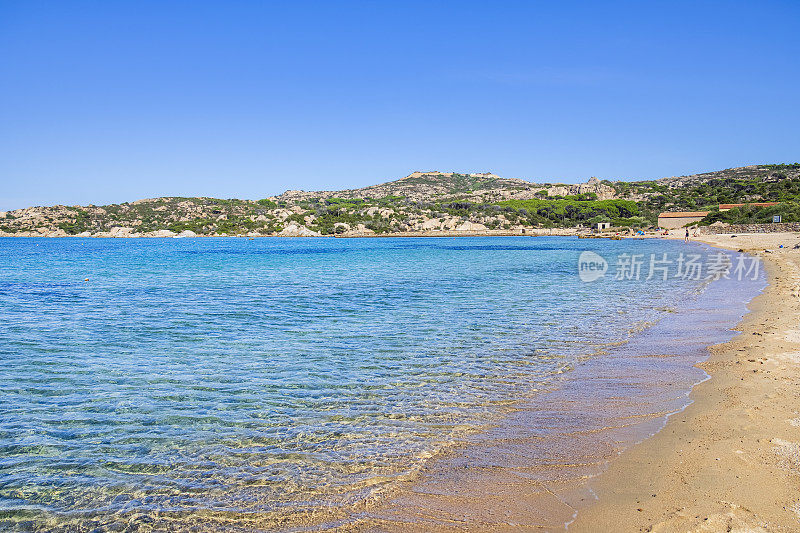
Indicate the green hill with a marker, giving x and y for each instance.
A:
(429, 201)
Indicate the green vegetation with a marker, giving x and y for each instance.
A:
(81, 223)
(461, 183)
(748, 214)
(450, 199)
(268, 204)
(770, 185)
(572, 211)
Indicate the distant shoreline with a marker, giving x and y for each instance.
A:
(533, 232)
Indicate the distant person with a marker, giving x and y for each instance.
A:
(686, 239)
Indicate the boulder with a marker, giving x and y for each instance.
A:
(451, 223)
(294, 230)
(470, 226)
(282, 214)
(361, 228)
(120, 232)
(187, 233)
(433, 223)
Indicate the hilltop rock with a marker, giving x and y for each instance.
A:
(603, 191)
(420, 186)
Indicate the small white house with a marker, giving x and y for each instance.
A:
(603, 225)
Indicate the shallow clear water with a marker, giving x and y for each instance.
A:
(217, 380)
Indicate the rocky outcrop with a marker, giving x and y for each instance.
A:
(470, 226)
(749, 172)
(163, 233)
(420, 186)
(431, 224)
(295, 230)
(593, 186)
(421, 201)
(117, 232)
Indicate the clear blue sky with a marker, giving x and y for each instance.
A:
(105, 102)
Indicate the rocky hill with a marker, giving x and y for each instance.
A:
(419, 202)
(425, 186)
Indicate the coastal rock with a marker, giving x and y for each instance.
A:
(120, 232)
(433, 223)
(361, 228)
(163, 233)
(294, 230)
(470, 226)
(359, 231)
(187, 233)
(451, 223)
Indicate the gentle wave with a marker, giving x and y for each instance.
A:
(220, 381)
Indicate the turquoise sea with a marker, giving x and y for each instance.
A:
(234, 383)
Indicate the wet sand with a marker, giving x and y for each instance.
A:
(731, 460)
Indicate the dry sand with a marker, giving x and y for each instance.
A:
(731, 460)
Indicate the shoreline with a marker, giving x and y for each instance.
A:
(669, 511)
(731, 459)
(528, 232)
(506, 483)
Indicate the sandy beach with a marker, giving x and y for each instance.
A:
(731, 460)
